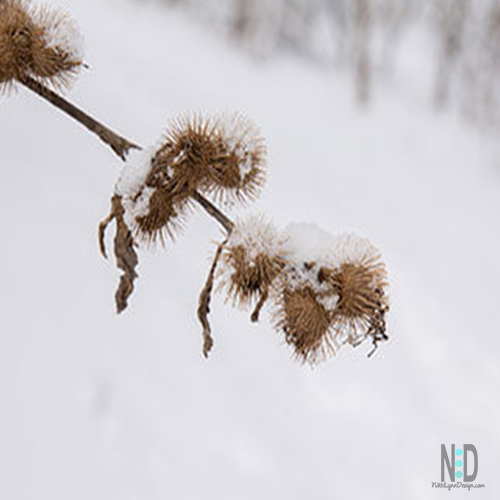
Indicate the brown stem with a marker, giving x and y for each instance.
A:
(204, 302)
(260, 304)
(118, 144)
(212, 210)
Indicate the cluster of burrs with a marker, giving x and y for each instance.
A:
(322, 292)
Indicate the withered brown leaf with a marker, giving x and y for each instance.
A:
(125, 254)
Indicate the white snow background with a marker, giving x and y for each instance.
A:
(96, 406)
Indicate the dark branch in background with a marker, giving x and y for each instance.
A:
(117, 143)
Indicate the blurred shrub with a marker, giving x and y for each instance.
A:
(363, 36)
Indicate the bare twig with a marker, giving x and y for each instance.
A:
(118, 144)
(102, 231)
(126, 256)
(212, 210)
(260, 304)
(204, 302)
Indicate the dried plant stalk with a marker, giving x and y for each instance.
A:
(204, 302)
(124, 247)
(120, 145)
(260, 304)
(117, 143)
(214, 212)
(306, 324)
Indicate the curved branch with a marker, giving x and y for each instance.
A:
(117, 143)
(204, 302)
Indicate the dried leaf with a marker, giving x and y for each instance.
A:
(126, 256)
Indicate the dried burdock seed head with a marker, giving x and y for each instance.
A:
(164, 216)
(37, 43)
(305, 322)
(188, 148)
(359, 279)
(239, 172)
(153, 206)
(223, 156)
(252, 259)
(332, 291)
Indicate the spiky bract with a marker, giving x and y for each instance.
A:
(223, 157)
(359, 277)
(164, 216)
(37, 43)
(250, 276)
(305, 322)
(154, 205)
(320, 305)
(252, 259)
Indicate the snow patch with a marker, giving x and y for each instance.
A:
(309, 248)
(309, 243)
(62, 32)
(135, 208)
(131, 185)
(135, 171)
(242, 137)
(257, 236)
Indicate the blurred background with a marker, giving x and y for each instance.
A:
(382, 118)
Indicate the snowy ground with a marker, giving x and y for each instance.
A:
(95, 406)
